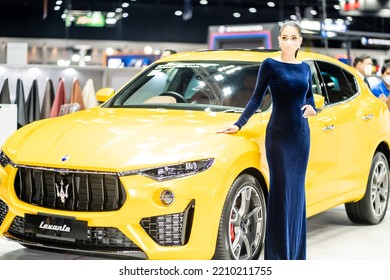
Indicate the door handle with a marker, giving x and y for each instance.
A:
(328, 127)
(368, 117)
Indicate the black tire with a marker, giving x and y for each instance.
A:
(371, 209)
(242, 226)
(179, 98)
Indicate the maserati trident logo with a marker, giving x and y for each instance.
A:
(62, 191)
(65, 158)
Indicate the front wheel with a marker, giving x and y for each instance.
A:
(242, 226)
(371, 209)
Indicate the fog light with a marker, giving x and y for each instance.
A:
(167, 197)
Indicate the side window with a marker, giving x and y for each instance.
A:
(338, 83)
(316, 81)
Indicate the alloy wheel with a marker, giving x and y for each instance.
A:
(246, 223)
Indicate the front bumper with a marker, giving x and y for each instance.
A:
(143, 227)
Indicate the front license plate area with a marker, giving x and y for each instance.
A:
(55, 227)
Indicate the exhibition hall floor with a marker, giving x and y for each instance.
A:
(330, 236)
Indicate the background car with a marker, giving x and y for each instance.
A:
(145, 175)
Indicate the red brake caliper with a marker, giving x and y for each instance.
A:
(231, 232)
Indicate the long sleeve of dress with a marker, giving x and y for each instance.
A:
(309, 94)
(254, 103)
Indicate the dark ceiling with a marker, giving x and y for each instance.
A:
(154, 20)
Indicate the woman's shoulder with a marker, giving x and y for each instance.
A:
(268, 60)
(267, 63)
(306, 65)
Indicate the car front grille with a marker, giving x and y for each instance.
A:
(172, 229)
(69, 190)
(99, 239)
(3, 211)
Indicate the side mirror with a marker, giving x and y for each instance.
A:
(319, 100)
(104, 94)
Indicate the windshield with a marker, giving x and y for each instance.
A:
(212, 86)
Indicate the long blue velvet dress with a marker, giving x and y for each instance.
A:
(287, 146)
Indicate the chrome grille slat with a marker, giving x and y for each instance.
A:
(85, 191)
(31, 186)
(88, 192)
(42, 189)
(104, 193)
(118, 194)
(74, 193)
(19, 179)
(54, 191)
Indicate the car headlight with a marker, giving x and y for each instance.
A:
(4, 160)
(173, 171)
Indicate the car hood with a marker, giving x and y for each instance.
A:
(118, 139)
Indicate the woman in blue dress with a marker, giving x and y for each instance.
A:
(287, 144)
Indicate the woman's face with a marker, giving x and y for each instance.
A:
(289, 40)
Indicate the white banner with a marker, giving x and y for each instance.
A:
(137, 269)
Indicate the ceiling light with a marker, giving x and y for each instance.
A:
(75, 57)
(236, 15)
(148, 50)
(59, 2)
(111, 14)
(110, 51)
(203, 2)
(125, 5)
(330, 34)
(178, 13)
(252, 10)
(125, 15)
(271, 4)
(110, 21)
(63, 63)
(56, 8)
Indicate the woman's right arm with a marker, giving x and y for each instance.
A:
(254, 102)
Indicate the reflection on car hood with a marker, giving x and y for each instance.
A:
(116, 139)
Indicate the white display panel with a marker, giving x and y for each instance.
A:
(8, 121)
(17, 53)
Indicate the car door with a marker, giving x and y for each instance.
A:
(322, 168)
(353, 122)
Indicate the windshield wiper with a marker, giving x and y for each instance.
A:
(231, 110)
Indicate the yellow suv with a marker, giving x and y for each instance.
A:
(145, 174)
